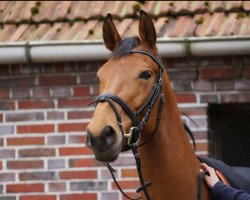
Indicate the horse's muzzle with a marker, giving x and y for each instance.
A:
(103, 145)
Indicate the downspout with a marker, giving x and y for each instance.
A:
(63, 51)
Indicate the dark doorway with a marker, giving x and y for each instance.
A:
(229, 126)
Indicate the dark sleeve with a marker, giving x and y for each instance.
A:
(220, 191)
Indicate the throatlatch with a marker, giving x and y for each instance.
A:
(133, 136)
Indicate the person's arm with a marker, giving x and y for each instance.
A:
(225, 192)
(219, 190)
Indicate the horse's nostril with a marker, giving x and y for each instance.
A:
(106, 139)
(108, 136)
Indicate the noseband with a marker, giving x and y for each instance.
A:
(133, 136)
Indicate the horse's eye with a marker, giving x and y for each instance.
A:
(145, 75)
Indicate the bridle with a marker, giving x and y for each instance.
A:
(133, 136)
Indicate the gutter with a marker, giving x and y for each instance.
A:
(63, 51)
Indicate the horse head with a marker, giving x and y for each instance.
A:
(129, 83)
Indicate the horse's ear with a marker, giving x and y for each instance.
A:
(147, 29)
(110, 34)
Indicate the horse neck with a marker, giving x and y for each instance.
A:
(168, 160)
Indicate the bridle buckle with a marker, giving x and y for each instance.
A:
(129, 135)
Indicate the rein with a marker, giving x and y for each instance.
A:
(133, 136)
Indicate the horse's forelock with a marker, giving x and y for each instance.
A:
(125, 46)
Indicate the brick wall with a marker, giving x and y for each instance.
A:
(44, 115)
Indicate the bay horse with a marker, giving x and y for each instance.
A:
(127, 89)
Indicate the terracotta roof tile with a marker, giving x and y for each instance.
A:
(28, 33)
(228, 26)
(38, 32)
(19, 32)
(132, 29)
(124, 25)
(80, 20)
(159, 25)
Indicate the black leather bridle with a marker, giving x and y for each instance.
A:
(133, 136)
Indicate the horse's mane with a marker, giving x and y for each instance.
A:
(125, 46)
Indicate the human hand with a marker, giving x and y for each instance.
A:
(212, 178)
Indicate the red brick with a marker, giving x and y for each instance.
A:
(13, 82)
(4, 94)
(23, 164)
(15, 69)
(129, 173)
(185, 98)
(201, 146)
(127, 184)
(78, 174)
(85, 162)
(202, 85)
(45, 128)
(209, 98)
(200, 135)
(80, 114)
(73, 127)
(1, 142)
(57, 80)
(7, 153)
(67, 151)
(40, 92)
(21, 188)
(246, 72)
(81, 91)
(1, 165)
(1, 118)
(74, 103)
(182, 74)
(20, 117)
(25, 141)
(61, 92)
(224, 85)
(194, 111)
(7, 105)
(4, 70)
(56, 164)
(219, 73)
(38, 152)
(7, 177)
(56, 139)
(235, 98)
(243, 84)
(36, 104)
(28, 176)
(53, 115)
(57, 187)
(58, 67)
(20, 93)
(38, 197)
(76, 139)
(87, 196)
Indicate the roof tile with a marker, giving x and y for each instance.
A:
(228, 25)
(7, 32)
(38, 32)
(26, 14)
(18, 32)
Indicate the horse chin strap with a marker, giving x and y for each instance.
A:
(133, 137)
